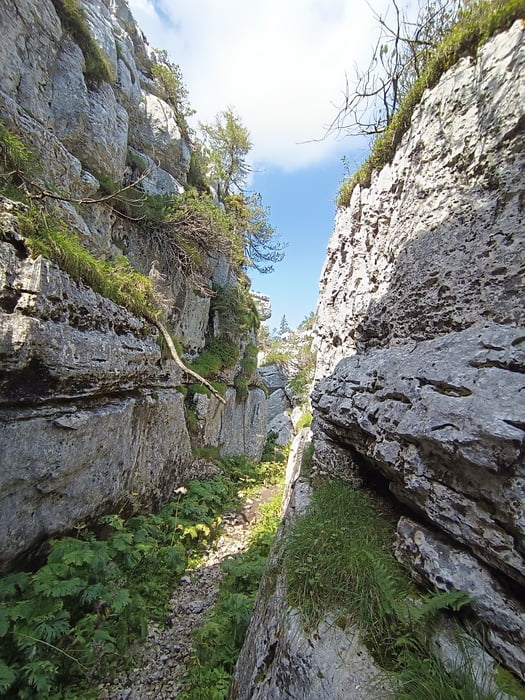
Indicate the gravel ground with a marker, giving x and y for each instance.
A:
(162, 658)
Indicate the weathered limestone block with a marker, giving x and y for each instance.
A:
(434, 561)
(263, 303)
(281, 426)
(154, 131)
(443, 421)
(273, 377)
(435, 244)
(278, 402)
(243, 424)
(69, 462)
(59, 339)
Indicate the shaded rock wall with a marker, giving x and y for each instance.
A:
(421, 336)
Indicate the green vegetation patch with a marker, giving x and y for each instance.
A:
(475, 26)
(236, 309)
(338, 557)
(216, 645)
(117, 280)
(67, 624)
(218, 355)
(97, 67)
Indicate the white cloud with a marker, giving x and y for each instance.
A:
(280, 63)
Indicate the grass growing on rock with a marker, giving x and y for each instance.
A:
(475, 26)
(117, 280)
(338, 557)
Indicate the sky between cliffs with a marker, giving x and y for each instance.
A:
(281, 65)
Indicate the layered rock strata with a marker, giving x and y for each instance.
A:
(91, 413)
(421, 331)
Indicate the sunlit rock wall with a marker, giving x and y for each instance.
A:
(422, 339)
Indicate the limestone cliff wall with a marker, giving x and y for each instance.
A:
(421, 336)
(90, 412)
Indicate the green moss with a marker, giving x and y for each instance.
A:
(474, 27)
(218, 355)
(241, 387)
(210, 452)
(192, 422)
(97, 67)
(249, 360)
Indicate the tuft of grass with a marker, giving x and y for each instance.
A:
(97, 67)
(474, 27)
(15, 155)
(338, 556)
(219, 354)
(117, 280)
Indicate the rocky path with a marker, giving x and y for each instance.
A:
(162, 658)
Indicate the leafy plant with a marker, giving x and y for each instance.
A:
(216, 645)
(71, 620)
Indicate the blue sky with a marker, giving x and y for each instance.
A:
(302, 211)
(282, 67)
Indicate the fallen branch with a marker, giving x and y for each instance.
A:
(167, 337)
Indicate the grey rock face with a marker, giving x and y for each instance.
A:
(273, 377)
(76, 368)
(436, 242)
(421, 336)
(441, 420)
(59, 467)
(436, 562)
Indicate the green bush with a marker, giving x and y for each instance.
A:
(236, 309)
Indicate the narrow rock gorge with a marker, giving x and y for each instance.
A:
(420, 392)
(419, 396)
